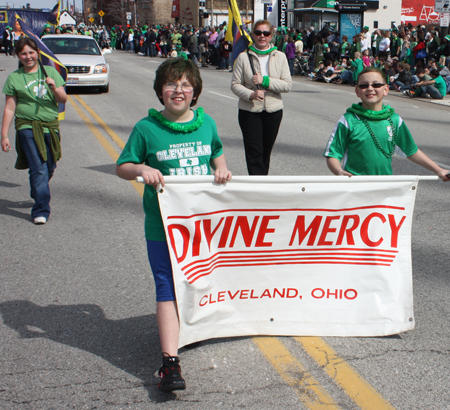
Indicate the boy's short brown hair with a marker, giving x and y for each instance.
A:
(371, 69)
(173, 70)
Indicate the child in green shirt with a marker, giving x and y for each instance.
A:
(175, 141)
(369, 133)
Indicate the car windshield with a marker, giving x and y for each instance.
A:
(72, 46)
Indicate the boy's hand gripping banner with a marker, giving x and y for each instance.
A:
(303, 256)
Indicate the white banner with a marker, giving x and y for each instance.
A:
(303, 256)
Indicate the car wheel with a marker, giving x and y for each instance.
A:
(104, 89)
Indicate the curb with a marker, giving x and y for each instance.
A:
(444, 102)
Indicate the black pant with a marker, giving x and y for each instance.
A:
(259, 130)
(9, 49)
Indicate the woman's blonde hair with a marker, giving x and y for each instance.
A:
(262, 23)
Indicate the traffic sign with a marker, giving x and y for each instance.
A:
(442, 6)
(101, 13)
(128, 15)
(91, 19)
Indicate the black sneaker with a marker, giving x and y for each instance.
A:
(170, 374)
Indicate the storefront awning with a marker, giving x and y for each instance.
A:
(313, 10)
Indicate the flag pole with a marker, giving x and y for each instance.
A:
(42, 66)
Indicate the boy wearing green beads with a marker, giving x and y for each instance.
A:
(175, 141)
(368, 134)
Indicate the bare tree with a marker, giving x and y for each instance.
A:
(116, 12)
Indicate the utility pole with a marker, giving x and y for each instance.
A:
(212, 13)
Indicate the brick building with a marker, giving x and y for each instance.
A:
(198, 13)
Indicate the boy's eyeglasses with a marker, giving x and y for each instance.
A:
(184, 87)
(374, 85)
(265, 33)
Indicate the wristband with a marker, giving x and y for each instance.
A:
(4, 138)
(266, 81)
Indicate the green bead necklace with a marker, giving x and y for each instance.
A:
(375, 139)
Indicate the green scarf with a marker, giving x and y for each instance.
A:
(268, 51)
(174, 126)
(384, 114)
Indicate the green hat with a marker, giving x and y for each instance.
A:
(9, 27)
(366, 28)
(113, 29)
(447, 37)
(299, 37)
(145, 27)
(48, 26)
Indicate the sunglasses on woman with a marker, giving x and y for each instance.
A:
(265, 33)
(374, 85)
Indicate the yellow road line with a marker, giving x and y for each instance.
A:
(105, 126)
(358, 389)
(311, 394)
(100, 138)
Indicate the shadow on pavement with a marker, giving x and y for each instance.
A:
(106, 169)
(78, 90)
(8, 184)
(127, 344)
(9, 208)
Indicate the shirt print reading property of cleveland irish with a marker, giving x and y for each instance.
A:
(173, 153)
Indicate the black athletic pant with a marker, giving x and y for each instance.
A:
(259, 130)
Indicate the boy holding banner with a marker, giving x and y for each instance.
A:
(176, 141)
(369, 133)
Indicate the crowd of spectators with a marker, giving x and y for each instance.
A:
(415, 60)
(204, 46)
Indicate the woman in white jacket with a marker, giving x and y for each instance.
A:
(260, 75)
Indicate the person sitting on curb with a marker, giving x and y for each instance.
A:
(435, 88)
(404, 78)
(351, 76)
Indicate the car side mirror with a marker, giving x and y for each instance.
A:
(106, 51)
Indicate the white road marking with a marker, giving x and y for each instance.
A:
(226, 96)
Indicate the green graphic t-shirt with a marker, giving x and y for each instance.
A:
(35, 100)
(173, 153)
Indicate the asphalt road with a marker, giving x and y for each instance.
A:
(77, 302)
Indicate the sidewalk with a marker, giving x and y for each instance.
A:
(445, 101)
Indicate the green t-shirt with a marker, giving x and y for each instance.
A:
(173, 153)
(352, 143)
(35, 100)
(441, 85)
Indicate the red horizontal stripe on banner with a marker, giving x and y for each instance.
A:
(280, 261)
(287, 210)
(275, 260)
(191, 281)
(366, 252)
